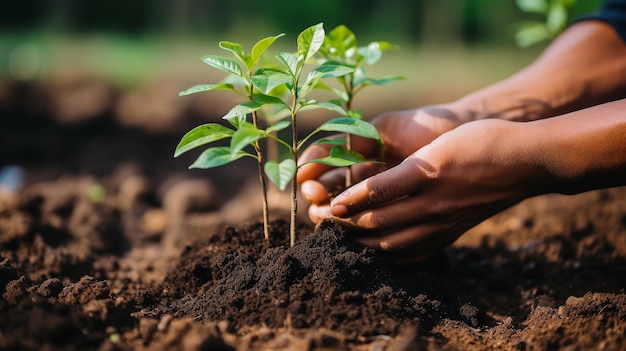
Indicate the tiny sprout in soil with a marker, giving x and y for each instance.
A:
(275, 93)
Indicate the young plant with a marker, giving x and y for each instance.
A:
(341, 47)
(258, 84)
(211, 132)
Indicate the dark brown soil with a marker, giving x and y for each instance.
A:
(174, 260)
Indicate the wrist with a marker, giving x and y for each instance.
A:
(526, 144)
(580, 151)
(508, 101)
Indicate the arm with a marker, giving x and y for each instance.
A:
(585, 66)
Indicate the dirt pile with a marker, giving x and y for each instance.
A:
(325, 281)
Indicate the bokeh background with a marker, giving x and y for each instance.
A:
(79, 76)
(134, 42)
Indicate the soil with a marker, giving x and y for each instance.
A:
(111, 244)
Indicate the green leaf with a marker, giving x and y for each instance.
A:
(352, 126)
(309, 42)
(280, 173)
(223, 64)
(307, 87)
(324, 71)
(289, 60)
(530, 33)
(217, 156)
(242, 109)
(356, 114)
(259, 48)
(382, 46)
(235, 48)
(244, 136)
(374, 51)
(533, 6)
(266, 79)
(343, 96)
(376, 81)
(234, 80)
(237, 121)
(206, 87)
(339, 157)
(327, 106)
(557, 18)
(370, 56)
(331, 141)
(339, 42)
(202, 135)
(328, 71)
(278, 126)
(269, 100)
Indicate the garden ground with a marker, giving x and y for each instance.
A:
(111, 244)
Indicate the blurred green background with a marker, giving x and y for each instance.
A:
(449, 47)
(91, 86)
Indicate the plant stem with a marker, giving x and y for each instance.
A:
(348, 87)
(294, 155)
(266, 216)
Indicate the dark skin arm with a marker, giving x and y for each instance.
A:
(454, 165)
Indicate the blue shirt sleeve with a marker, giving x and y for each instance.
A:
(612, 12)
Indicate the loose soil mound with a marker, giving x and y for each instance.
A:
(326, 281)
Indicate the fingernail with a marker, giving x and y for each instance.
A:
(339, 210)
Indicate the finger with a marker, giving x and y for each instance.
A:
(335, 180)
(415, 240)
(319, 212)
(400, 213)
(367, 147)
(314, 192)
(386, 186)
(322, 190)
(313, 170)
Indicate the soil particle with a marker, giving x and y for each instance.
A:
(7, 273)
(50, 288)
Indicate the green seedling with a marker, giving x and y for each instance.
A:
(341, 48)
(532, 32)
(257, 84)
(212, 132)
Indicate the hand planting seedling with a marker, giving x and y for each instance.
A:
(257, 83)
(341, 47)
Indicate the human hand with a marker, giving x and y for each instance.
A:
(424, 203)
(402, 132)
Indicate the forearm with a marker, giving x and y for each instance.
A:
(579, 151)
(585, 66)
